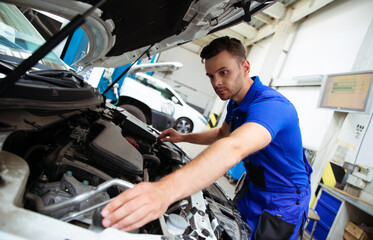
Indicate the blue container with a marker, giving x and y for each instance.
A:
(237, 170)
(327, 208)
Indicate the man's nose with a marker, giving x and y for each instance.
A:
(217, 81)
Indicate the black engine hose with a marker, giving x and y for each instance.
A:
(153, 164)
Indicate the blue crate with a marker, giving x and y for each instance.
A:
(237, 170)
(327, 208)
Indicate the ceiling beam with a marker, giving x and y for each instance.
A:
(304, 8)
(276, 10)
(245, 30)
(263, 18)
(263, 32)
(271, 16)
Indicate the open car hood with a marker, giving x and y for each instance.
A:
(120, 31)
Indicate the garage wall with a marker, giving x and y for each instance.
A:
(257, 54)
(327, 41)
(313, 121)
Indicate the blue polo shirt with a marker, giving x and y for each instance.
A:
(282, 159)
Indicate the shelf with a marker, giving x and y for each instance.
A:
(364, 206)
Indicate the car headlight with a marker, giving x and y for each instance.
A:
(168, 108)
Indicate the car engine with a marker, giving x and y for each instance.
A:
(79, 160)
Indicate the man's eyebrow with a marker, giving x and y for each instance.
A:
(222, 68)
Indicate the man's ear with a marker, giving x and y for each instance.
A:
(246, 66)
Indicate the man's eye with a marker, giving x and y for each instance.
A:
(223, 72)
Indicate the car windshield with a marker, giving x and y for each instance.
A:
(165, 92)
(19, 39)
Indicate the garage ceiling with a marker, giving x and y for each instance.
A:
(264, 24)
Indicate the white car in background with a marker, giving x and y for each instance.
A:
(162, 98)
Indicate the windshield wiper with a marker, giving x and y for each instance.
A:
(10, 44)
(7, 66)
(15, 75)
(60, 78)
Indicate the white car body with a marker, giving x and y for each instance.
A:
(173, 105)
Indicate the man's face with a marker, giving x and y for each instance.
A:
(226, 75)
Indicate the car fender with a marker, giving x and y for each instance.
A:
(132, 88)
(188, 112)
(139, 104)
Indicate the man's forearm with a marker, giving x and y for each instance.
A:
(205, 138)
(216, 160)
(201, 172)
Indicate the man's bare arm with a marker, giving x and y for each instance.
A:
(206, 137)
(147, 201)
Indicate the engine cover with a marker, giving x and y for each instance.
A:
(113, 152)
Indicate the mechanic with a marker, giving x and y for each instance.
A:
(261, 128)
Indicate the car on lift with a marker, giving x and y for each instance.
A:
(149, 99)
(65, 152)
(163, 100)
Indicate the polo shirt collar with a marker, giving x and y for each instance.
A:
(249, 95)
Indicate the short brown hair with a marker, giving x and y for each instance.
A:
(232, 45)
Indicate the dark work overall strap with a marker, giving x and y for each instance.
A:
(282, 172)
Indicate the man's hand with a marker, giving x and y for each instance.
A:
(135, 207)
(170, 135)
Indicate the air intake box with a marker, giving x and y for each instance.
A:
(111, 151)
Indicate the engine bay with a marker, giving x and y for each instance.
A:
(75, 162)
